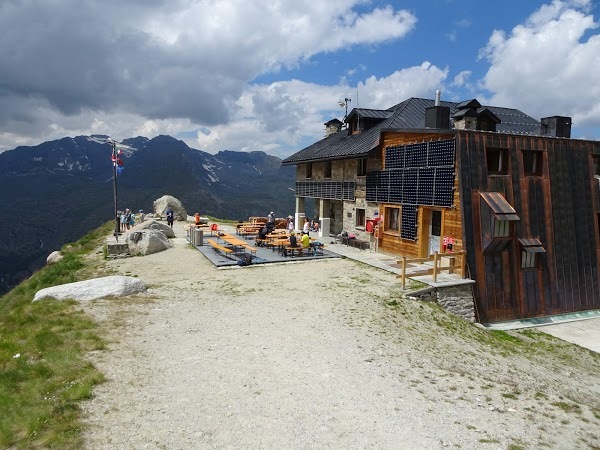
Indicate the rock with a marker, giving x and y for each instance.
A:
(154, 225)
(162, 204)
(115, 286)
(146, 242)
(54, 257)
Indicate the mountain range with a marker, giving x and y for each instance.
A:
(57, 191)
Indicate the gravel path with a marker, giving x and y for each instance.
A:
(310, 355)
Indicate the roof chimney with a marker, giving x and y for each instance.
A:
(333, 126)
(437, 116)
(556, 126)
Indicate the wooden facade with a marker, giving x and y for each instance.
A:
(451, 225)
(557, 202)
(527, 211)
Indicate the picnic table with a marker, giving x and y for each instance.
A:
(237, 243)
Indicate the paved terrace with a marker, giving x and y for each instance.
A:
(334, 249)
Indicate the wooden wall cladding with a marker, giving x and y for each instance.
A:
(558, 206)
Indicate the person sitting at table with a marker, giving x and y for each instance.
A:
(262, 235)
(197, 219)
(293, 242)
(315, 226)
(305, 241)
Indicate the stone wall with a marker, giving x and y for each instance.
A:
(457, 300)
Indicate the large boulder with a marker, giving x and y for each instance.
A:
(113, 286)
(162, 204)
(146, 242)
(54, 257)
(154, 225)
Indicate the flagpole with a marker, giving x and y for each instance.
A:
(114, 161)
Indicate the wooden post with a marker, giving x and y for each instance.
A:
(403, 271)
(463, 264)
(451, 263)
(435, 267)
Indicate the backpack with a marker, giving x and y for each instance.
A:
(245, 260)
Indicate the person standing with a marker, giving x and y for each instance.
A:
(271, 218)
(127, 218)
(197, 219)
(306, 227)
(142, 216)
(170, 217)
(122, 221)
(290, 226)
(131, 222)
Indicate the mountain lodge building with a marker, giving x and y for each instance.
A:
(518, 195)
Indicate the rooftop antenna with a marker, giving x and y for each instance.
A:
(344, 104)
(357, 111)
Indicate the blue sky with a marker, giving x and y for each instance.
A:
(265, 75)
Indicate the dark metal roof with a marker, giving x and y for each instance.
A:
(500, 207)
(370, 113)
(407, 115)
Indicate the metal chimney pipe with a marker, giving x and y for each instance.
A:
(438, 94)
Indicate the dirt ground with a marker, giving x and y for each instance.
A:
(321, 354)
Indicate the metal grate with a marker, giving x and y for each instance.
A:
(333, 190)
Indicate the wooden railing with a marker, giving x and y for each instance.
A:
(457, 262)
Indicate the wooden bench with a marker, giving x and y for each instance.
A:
(251, 249)
(288, 250)
(312, 250)
(357, 243)
(216, 246)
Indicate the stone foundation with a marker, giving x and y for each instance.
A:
(457, 300)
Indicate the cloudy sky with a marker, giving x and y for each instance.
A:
(266, 74)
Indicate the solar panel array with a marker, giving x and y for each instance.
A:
(415, 174)
(334, 190)
(408, 226)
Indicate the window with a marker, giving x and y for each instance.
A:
(528, 260)
(361, 170)
(533, 162)
(497, 161)
(308, 170)
(501, 228)
(392, 219)
(360, 217)
(327, 172)
(531, 247)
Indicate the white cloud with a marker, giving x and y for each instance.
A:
(417, 81)
(162, 60)
(547, 66)
(462, 78)
(285, 116)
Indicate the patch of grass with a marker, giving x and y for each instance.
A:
(43, 371)
(517, 446)
(511, 395)
(568, 407)
(489, 441)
